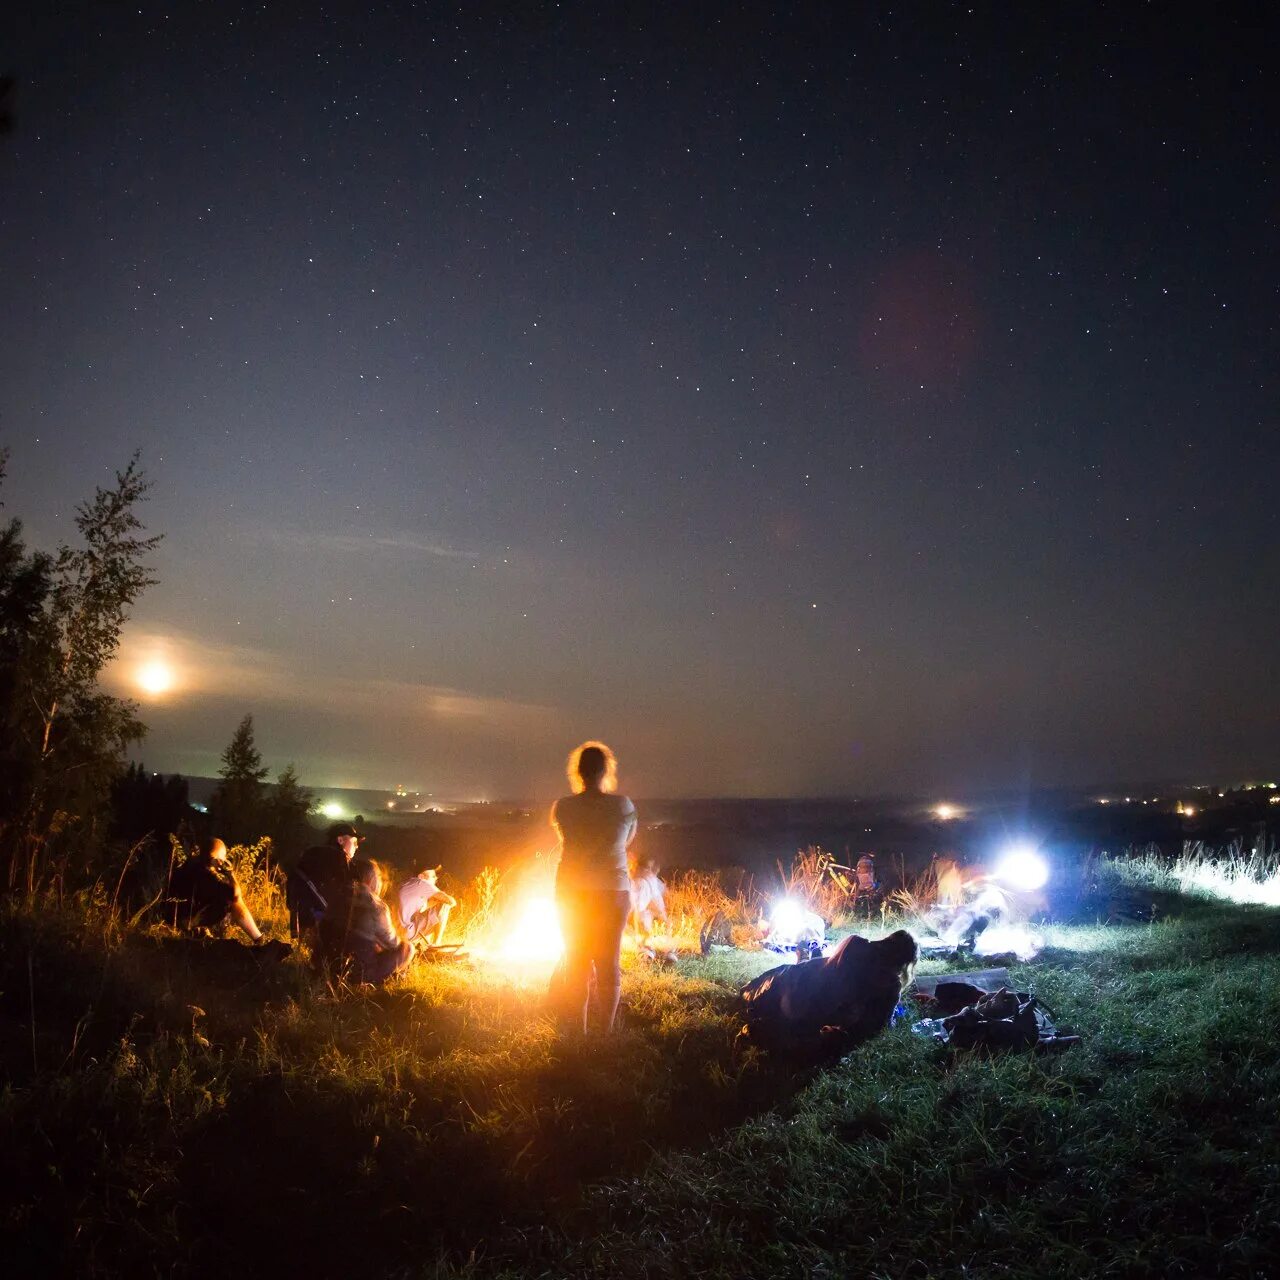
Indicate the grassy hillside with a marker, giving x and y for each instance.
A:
(166, 1112)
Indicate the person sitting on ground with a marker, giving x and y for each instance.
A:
(203, 892)
(320, 876)
(648, 905)
(357, 932)
(424, 908)
(829, 1006)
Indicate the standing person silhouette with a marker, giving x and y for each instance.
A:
(592, 886)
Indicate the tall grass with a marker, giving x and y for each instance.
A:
(167, 1115)
(1236, 874)
(815, 879)
(694, 897)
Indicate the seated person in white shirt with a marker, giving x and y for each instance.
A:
(424, 909)
(648, 906)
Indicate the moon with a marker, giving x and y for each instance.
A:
(155, 678)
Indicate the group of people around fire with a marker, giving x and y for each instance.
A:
(335, 900)
(335, 897)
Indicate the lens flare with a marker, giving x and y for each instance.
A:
(788, 918)
(1022, 869)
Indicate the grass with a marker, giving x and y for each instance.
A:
(165, 1112)
(1235, 875)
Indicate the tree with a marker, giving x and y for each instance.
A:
(60, 624)
(25, 582)
(147, 806)
(237, 805)
(287, 811)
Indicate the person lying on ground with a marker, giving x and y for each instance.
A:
(648, 905)
(424, 908)
(203, 892)
(357, 934)
(321, 873)
(830, 1006)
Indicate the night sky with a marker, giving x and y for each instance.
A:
(804, 404)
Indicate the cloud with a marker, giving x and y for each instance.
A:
(205, 669)
(361, 543)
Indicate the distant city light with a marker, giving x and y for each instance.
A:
(155, 678)
(1022, 868)
(1103, 800)
(332, 809)
(1187, 810)
(945, 812)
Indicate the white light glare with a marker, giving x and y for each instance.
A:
(788, 917)
(332, 809)
(1023, 869)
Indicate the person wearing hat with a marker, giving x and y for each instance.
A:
(424, 908)
(322, 872)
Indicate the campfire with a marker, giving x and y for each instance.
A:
(534, 938)
(513, 924)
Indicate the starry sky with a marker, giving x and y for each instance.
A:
(806, 401)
